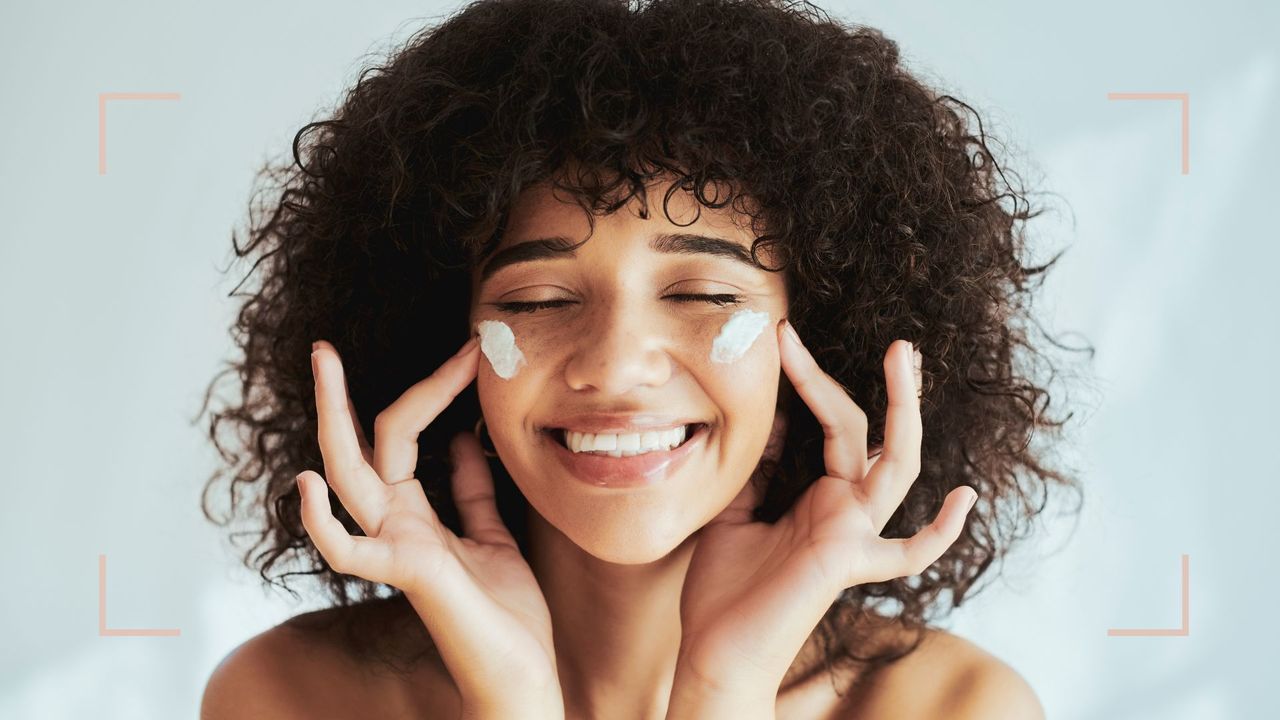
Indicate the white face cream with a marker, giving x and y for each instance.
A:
(737, 334)
(498, 343)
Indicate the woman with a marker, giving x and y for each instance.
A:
(741, 306)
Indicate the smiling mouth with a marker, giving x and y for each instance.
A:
(626, 444)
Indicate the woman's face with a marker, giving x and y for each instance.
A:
(623, 347)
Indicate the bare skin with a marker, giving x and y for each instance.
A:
(301, 668)
(610, 571)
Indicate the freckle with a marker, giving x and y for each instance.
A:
(498, 343)
(737, 335)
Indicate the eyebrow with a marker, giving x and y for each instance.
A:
(550, 248)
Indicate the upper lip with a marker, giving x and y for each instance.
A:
(616, 423)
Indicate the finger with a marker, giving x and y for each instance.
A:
(873, 453)
(917, 370)
(359, 489)
(898, 464)
(914, 555)
(366, 449)
(473, 493)
(843, 422)
(345, 553)
(396, 429)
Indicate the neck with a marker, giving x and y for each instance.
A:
(617, 627)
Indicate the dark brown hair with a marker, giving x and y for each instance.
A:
(888, 208)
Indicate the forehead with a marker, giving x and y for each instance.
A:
(542, 209)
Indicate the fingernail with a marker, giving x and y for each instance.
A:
(791, 331)
(315, 345)
(909, 359)
(298, 480)
(972, 499)
(466, 348)
(917, 362)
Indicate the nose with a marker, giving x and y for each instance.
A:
(619, 351)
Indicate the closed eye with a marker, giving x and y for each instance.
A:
(528, 307)
(720, 299)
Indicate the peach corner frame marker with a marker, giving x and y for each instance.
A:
(105, 631)
(102, 118)
(1186, 117)
(1183, 631)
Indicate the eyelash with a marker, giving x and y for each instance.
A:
(720, 299)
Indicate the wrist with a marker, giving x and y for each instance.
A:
(489, 694)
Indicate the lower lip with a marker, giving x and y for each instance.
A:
(625, 472)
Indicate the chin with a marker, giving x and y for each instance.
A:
(625, 553)
(627, 537)
(630, 552)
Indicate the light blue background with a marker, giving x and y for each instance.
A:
(114, 319)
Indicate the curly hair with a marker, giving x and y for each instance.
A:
(889, 213)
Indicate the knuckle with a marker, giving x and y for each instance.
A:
(802, 383)
(352, 466)
(383, 421)
(833, 429)
(905, 467)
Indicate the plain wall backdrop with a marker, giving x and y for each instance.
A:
(114, 318)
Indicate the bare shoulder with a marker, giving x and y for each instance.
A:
(948, 677)
(300, 669)
(269, 675)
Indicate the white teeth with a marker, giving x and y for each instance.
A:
(629, 442)
(625, 444)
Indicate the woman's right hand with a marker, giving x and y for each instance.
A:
(476, 594)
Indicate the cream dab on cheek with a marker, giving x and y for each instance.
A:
(737, 334)
(498, 343)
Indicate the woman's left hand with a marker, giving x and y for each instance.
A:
(754, 592)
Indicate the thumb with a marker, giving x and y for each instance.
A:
(473, 493)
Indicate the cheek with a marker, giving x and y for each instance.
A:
(499, 345)
(735, 346)
(505, 404)
(736, 363)
(742, 375)
(510, 349)
(737, 335)
(511, 379)
(733, 356)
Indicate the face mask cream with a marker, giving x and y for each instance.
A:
(498, 343)
(737, 334)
